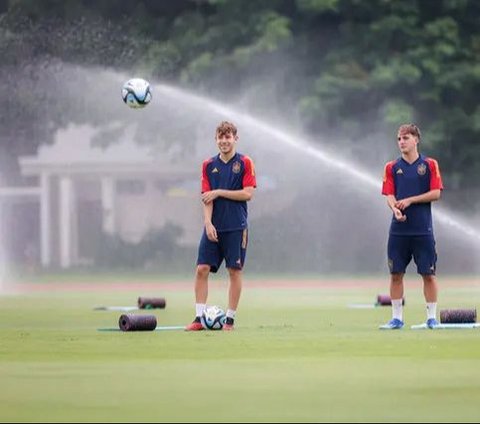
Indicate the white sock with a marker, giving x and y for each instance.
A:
(199, 309)
(431, 310)
(231, 313)
(397, 309)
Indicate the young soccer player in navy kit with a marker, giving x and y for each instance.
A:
(411, 183)
(228, 183)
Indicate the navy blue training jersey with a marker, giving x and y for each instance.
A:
(236, 174)
(403, 180)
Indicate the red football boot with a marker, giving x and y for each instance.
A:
(194, 326)
(228, 326)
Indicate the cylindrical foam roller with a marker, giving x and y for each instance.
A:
(458, 316)
(151, 303)
(386, 300)
(131, 322)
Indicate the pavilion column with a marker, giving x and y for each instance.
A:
(108, 205)
(45, 221)
(66, 221)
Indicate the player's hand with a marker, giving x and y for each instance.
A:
(403, 204)
(209, 196)
(211, 232)
(399, 216)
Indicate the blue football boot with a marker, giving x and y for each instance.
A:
(394, 324)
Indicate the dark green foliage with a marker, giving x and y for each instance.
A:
(345, 69)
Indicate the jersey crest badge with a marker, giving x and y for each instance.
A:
(421, 169)
(236, 167)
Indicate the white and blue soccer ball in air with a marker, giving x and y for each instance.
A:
(136, 93)
(213, 318)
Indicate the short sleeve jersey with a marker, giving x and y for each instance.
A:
(236, 174)
(403, 180)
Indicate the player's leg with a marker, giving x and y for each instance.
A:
(396, 294)
(397, 287)
(399, 256)
(430, 290)
(201, 295)
(235, 249)
(201, 287)
(425, 256)
(234, 293)
(209, 259)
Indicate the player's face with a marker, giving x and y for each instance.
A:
(407, 142)
(226, 142)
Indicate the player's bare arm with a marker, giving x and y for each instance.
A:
(391, 201)
(245, 194)
(210, 230)
(430, 196)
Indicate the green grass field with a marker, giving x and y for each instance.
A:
(297, 354)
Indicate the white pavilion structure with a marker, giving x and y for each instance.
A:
(124, 189)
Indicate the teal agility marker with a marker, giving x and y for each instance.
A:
(468, 326)
(163, 328)
(453, 319)
(116, 308)
(362, 306)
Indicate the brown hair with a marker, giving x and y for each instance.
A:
(410, 129)
(226, 127)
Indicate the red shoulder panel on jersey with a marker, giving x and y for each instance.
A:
(435, 176)
(249, 179)
(204, 178)
(388, 187)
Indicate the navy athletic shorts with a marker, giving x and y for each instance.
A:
(231, 246)
(401, 249)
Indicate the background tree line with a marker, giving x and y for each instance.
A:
(346, 69)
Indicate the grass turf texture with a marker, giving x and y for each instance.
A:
(296, 355)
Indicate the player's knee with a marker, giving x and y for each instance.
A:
(203, 270)
(428, 278)
(234, 271)
(397, 278)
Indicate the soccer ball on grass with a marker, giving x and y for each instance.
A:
(213, 318)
